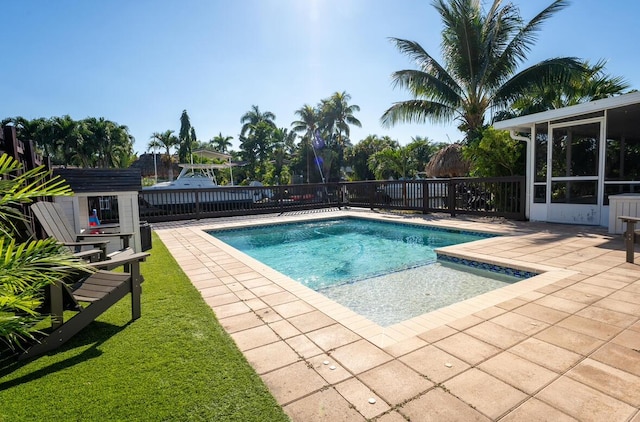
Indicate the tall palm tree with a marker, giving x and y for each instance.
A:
(337, 115)
(70, 137)
(481, 55)
(254, 116)
(307, 125)
(283, 149)
(256, 147)
(221, 143)
(107, 144)
(166, 140)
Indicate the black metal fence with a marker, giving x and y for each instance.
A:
(503, 197)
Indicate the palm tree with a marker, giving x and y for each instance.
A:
(106, 143)
(221, 143)
(256, 147)
(252, 117)
(357, 156)
(165, 140)
(481, 55)
(337, 115)
(38, 130)
(389, 162)
(594, 84)
(308, 124)
(283, 149)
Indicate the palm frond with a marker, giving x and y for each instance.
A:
(426, 86)
(426, 63)
(35, 263)
(521, 43)
(552, 72)
(417, 111)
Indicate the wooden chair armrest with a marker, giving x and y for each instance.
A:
(121, 259)
(99, 244)
(91, 254)
(125, 237)
(89, 235)
(92, 243)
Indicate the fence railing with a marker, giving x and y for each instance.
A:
(504, 197)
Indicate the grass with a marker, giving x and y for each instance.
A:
(176, 363)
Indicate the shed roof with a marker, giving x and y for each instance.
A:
(101, 180)
(525, 122)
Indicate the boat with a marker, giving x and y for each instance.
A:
(197, 182)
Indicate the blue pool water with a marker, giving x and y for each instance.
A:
(326, 253)
(385, 271)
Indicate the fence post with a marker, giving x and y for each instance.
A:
(372, 194)
(452, 197)
(425, 196)
(197, 204)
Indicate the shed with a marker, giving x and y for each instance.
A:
(113, 193)
(579, 157)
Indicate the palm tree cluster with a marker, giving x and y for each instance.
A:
(91, 142)
(329, 121)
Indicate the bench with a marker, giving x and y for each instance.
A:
(630, 235)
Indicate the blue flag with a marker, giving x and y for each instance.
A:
(318, 142)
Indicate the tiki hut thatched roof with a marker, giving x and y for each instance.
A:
(448, 162)
(145, 164)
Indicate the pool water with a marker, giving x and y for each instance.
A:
(385, 271)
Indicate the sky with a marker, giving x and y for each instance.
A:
(141, 63)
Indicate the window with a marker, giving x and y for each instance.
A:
(575, 150)
(622, 156)
(106, 208)
(574, 192)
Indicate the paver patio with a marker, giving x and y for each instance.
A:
(564, 345)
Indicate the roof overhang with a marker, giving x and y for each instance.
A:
(524, 123)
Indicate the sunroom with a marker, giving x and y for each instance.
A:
(582, 160)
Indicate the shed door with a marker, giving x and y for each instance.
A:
(573, 182)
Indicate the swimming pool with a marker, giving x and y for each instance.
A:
(385, 271)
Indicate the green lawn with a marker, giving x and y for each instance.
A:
(176, 363)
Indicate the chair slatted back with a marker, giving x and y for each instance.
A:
(53, 221)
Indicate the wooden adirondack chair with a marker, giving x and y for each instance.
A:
(55, 224)
(99, 291)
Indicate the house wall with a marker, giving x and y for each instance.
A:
(618, 167)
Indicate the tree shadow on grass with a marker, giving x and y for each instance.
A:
(93, 336)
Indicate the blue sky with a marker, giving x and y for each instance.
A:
(140, 63)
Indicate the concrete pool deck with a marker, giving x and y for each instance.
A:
(564, 345)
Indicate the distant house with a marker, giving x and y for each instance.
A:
(578, 157)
